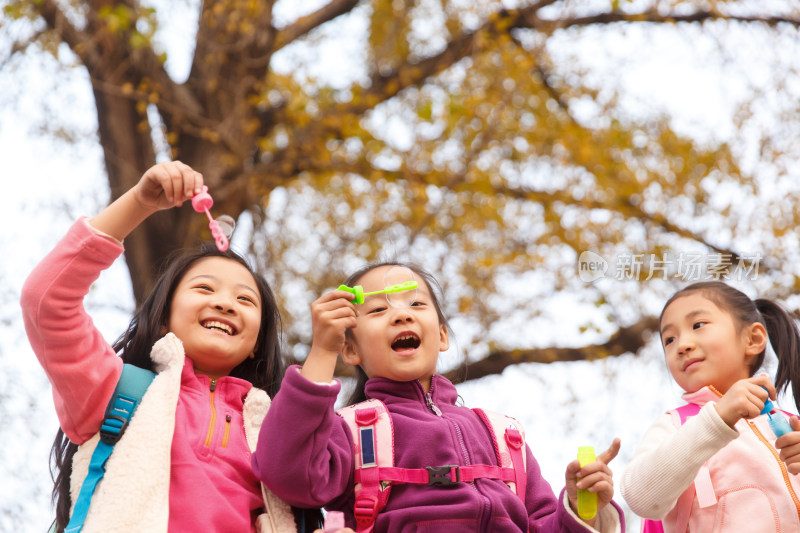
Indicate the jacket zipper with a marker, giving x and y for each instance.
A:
(213, 420)
(227, 431)
(781, 464)
(465, 455)
(431, 405)
(429, 399)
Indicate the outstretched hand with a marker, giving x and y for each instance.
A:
(162, 186)
(168, 185)
(595, 477)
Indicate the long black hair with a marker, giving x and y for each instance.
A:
(781, 328)
(358, 394)
(264, 370)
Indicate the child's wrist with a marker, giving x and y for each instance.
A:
(319, 365)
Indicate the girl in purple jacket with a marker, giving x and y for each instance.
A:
(394, 342)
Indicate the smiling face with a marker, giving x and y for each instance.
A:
(704, 345)
(216, 313)
(398, 343)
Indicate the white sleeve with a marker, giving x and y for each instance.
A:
(668, 459)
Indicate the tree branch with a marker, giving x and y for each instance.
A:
(626, 340)
(305, 24)
(384, 87)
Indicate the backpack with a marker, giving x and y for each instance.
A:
(373, 447)
(130, 389)
(133, 383)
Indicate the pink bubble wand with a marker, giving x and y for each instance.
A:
(202, 203)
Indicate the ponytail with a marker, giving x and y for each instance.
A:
(784, 337)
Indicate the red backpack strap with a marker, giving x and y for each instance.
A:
(373, 448)
(508, 438)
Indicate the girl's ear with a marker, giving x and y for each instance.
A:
(444, 339)
(350, 353)
(756, 340)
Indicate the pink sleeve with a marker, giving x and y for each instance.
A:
(81, 366)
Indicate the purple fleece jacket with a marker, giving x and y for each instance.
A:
(311, 464)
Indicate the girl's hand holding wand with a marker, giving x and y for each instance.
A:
(789, 446)
(595, 477)
(331, 315)
(163, 186)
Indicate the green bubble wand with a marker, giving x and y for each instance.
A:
(358, 290)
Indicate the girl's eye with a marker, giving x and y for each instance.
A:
(247, 299)
(668, 340)
(417, 304)
(376, 310)
(698, 325)
(205, 288)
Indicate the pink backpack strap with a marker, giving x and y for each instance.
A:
(652, 526)
(702, 486)
(706, 497)
(508, 438)
(683, 412)
(373, 447)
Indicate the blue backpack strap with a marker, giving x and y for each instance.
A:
(126, 398)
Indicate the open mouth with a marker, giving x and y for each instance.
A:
(220, 326)
(406, 341)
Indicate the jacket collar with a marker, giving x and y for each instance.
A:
(702, 396)
(168, 353)
(442, 391)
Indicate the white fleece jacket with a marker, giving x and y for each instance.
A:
(133, 496)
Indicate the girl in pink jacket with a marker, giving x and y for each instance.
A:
(720, 463)
(209, 330)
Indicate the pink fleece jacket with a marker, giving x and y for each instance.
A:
(211, 484)
(746, 485)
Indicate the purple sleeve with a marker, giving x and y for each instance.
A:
(78, 361)
(545, 512)
(305, 451)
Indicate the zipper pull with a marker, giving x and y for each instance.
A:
(213, 384)
(431, 405)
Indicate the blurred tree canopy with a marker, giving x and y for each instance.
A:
(457, 137)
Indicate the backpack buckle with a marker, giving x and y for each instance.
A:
(365, 510)
(440, 475)
(112, 428)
